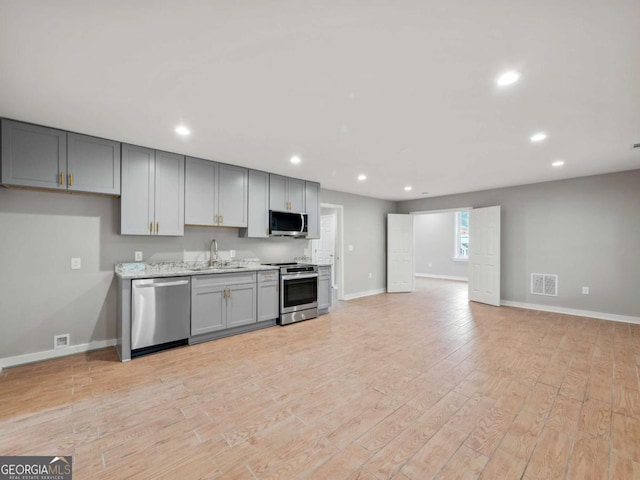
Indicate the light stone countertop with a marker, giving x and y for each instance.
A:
(134, 270)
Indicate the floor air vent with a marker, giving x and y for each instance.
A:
(544, 284)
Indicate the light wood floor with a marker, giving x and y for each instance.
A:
(402, 386)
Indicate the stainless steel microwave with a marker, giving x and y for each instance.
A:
(287, 224)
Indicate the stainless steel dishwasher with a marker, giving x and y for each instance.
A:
(160, 314)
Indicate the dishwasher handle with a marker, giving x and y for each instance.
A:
(166, 284)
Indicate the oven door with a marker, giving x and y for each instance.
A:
(298, 292)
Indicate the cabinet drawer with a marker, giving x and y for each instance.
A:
(205, 281)
(324, 271)
(270, 276)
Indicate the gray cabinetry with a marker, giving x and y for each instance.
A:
(33, 156)
(312, 203)
(286, 194)
(152, 201)
(41, 157)
(93, 164)
(222, 301)
(268, 295)
(258, 208)
(216, 194)
(324, 288)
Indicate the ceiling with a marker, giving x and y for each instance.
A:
(403, 91)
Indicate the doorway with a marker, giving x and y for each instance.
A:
(328, 248)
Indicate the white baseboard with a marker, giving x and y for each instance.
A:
(61, 352)
(368, 293)
(572, 311)
(442, 277)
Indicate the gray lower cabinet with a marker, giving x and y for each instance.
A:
(215, 194)
(222, 301)
(152, 199)
(258, 213)
(268, 295)
(41, 157)
(324, 288)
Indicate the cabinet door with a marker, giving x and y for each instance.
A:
(258, 208)
(278, 193)
(33, 156)
(295, 192)
(241, 305)
(208, 309)
(312, 200)
(324, 292)
(268, 307)
(232, 196)
(138, 187)
(169, 192)
(199, 200)
(93, 164)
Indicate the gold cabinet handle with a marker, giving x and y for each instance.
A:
(221, 219)
(150, 227)
(71, 179)
(157, 227)
(229, 293)
(215, 219)
(61, 178)
(224, 293)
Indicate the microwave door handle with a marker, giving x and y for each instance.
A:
(302, 218)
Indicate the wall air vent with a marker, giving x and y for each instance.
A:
(544, 284)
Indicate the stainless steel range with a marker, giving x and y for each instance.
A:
(298, 292)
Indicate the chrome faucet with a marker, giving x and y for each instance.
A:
(213, 253)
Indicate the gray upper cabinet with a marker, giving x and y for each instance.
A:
(312, 201)
(286, 194)
(41, 157)
(152, 200)
(33, 156)
(258, 214)
(216, 194)
(93, 164)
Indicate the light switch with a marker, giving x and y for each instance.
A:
(351, 248)
(138, 256)
(76, 263)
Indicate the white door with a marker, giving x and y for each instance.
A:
(484, 255)
(400, 276)
(325, 248)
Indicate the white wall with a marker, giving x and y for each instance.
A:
(40, 296)
(586, 230)
(434, 236)
(365, 227)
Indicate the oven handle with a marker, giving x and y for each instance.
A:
(294, 277)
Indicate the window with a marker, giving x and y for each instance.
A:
(462, 236)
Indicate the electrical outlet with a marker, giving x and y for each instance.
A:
(61, 341)
(138, 256)
(76, 263)
(585, 290)
(232, 253)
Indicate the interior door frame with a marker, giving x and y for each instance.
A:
(338, 261)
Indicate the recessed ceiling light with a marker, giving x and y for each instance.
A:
(407, 188)
(362, 176)
(182, 130)
(508, 78)
(558, 163)
(538, 137)
(295, 159)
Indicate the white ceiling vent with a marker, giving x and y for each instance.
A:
(544, 284)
